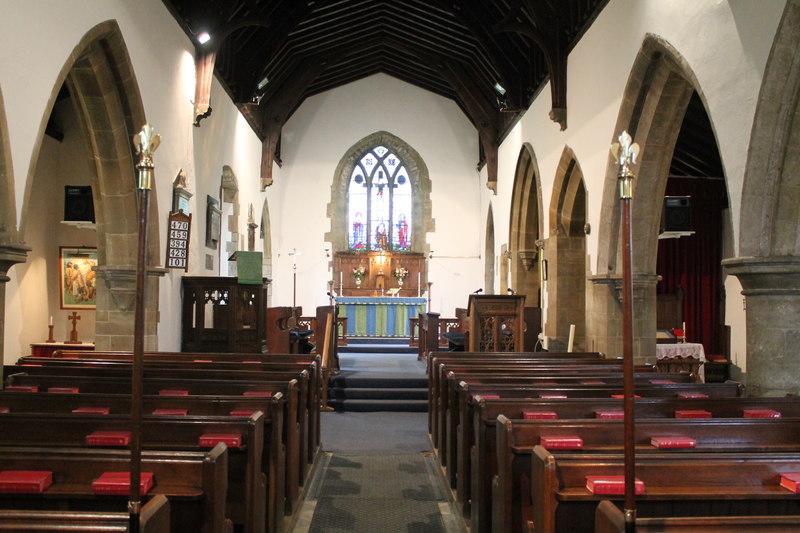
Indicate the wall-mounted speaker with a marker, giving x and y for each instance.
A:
(78, 204)
(677, 214)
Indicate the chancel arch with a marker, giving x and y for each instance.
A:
(566, 254)
(655, 100)
(106, 105)
(768, 265)
(526, 229)
(488, 254)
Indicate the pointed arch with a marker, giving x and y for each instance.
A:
(656, 97)
(566, 252)
(422, 221)
(106, 98)
(768, 265)
(8, 211)
(488, 253)
(526, 228)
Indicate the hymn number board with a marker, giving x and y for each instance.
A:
(180, 226)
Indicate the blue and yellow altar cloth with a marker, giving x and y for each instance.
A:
(379, 316)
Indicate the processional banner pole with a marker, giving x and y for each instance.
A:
(145, 143)
(625, 152)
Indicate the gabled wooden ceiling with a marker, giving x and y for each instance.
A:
(458, 49)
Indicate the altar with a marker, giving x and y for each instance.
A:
(379, 316)
(681, 357)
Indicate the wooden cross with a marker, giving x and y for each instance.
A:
(73, 335)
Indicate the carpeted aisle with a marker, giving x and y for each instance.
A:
(371, 493)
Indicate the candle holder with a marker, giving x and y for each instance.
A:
(50, 337)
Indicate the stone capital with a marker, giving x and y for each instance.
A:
(10, 255)
(776, 275)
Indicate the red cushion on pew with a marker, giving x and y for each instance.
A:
(662, 382)
(611, 485)
(203, 361)
(672, 441)
(610, 414)
(692, 413)
(258, 393)
(64, 390)
(4, 409)
(593, 382)
(25, 481)
(561, 442)
(791, 481)
(173, 392)
(487, 396)
(760, 413)
(91, 411)
(171, 412)
(232, 440)
(120, 483)
(695, 395)
(243, 412)
(22, 388)
(251, 361)
(108, 438)
(622, 396)
(552, 396)
(539, 415)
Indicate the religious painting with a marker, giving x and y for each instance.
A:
(77, 277)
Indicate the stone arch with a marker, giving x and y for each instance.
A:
(422, 220)
(229, 204)
(768, 265)
(659, 88)
(566, 253)
(488, 254)
(108, 104)
(526, 228)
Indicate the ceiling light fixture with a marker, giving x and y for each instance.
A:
(500, 89)
(263, 83)
(203, 38)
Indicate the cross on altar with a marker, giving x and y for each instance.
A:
(73, 335)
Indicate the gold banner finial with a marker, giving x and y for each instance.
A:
(146, 142)
(625, 152)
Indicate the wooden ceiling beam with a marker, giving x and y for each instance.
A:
(275, 111)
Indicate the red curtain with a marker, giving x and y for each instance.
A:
(693, 263)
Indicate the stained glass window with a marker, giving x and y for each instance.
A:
(380, 203)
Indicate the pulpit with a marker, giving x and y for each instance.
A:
(221, 315)
(496, 323)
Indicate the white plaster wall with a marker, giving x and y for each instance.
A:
(320, 133)
(36, 40)
(725, 43)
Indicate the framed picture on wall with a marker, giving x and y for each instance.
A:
(77, 277)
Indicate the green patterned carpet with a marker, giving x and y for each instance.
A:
(379, 493)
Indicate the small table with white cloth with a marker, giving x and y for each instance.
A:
(681, 357)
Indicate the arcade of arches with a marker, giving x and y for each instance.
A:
(549, 229)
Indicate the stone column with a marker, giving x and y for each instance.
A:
(771, 286)
(116, 289)
(10, 255)
(604, 319)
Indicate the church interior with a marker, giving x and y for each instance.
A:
(419, 248)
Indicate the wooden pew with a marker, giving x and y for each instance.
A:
(153, 518)
(293, 443)
(195, 483)
(279, 493)
(610, 519)
(676, 484)
(248, 504)
(511, 500)
(280, 322)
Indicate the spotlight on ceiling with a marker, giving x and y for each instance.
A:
(263, 83)
(203, 38)
(500, 89)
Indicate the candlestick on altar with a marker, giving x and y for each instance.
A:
(430, 283)
(341, 283)
(50, 337)
(419, 284)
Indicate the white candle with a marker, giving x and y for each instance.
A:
(51, 320)
(571, 337)
(340, 281)
(419, 284)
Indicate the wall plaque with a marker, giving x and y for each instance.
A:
(180, 226)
